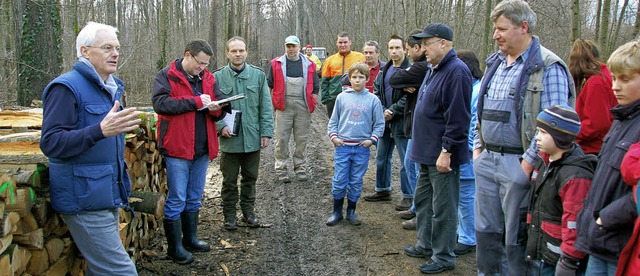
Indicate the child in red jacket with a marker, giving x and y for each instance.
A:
(560, 182)
(629, 263)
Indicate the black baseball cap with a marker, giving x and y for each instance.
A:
(436, 30)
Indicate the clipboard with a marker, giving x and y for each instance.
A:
(225, 100)
(233, 120)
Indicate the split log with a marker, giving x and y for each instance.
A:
(30, 118)
(23, 202)
(31, 240)
(7, 188)
(5, 265)
(54, 247)
(25, 177)
(9, 222)
(39, 262)
(78, 267)
(5, 242)
(58, 268)
(19, 258)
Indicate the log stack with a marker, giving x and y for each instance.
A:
(34, 240)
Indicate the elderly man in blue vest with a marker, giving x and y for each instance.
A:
(83, 135)
(521, 79)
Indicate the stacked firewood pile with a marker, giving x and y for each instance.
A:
(34, 240)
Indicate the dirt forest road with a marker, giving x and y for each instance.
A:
(296, 240)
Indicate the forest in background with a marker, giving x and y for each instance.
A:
(37, 37)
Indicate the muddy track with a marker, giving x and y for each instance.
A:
(297, 241)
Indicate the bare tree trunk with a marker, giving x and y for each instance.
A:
(488, 27)
(604, 26)
(616, 33)
(636, 25)
(163, 35)
(41, 57)
(111, 13)
(213, 32)
(575, 20)
(598, 21)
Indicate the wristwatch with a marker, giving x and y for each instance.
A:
(445, 150)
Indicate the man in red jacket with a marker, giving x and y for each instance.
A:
(184, 96)
(293, 81)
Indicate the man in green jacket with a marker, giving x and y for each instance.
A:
(240, 151)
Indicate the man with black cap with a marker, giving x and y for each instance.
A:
(441, 125)
(560, 183)
(293, 82)
(521, 79)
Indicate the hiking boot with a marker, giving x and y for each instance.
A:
(412, 251)
(462, 249)
(230, 223)
(379, 196)
(433, 267)
(406, 214)
(250, 220)
(409, 224)
(404, 204)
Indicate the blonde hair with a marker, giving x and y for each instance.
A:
(626, 59)
(361, 68)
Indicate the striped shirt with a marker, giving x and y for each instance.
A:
(504, 82)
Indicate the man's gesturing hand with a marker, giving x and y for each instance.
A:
(116, 123)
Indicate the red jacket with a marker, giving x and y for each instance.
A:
(278, 92)
(176, 132)
(592, 105)
(629, 262)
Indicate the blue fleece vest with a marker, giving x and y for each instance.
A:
(95, 179)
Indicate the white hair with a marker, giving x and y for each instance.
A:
(87, 35)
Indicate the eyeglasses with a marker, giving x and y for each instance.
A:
(107, 48)
(432, 42)
(205, 64)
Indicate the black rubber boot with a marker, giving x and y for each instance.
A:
(336, 216)
(351, 213)
(175, 250)
(190, 228)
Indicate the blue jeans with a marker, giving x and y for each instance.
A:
(384, 156)
(185, 180)
(97, 236)
(597, 266)
(350, 165)
(466, 218)
(437, 205)
(413, 171)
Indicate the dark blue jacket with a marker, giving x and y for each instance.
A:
(398, 100)
(87, 173)
(442, 114)
(609, 198)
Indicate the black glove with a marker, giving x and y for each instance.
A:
(567, 266)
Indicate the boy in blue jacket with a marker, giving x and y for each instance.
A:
(355, 125)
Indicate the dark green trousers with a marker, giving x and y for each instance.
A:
(231, 165)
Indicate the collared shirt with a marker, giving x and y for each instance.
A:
(506, 77)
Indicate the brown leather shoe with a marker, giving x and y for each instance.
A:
(378, 196)
(406, 214)
(404, 204)
(409, 224)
